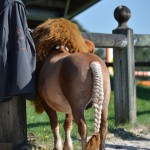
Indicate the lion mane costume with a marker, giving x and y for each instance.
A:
(51, 33)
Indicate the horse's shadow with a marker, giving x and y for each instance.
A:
(129, 136)
(119, 147)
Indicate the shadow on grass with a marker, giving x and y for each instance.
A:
(126, 135)
(38, 124)
(143, 92)
(143, 112)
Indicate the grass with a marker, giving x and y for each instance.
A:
(143, 105)
(39, 124)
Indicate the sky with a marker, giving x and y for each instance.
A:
(100, 17)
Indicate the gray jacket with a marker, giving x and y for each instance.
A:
(17, 52)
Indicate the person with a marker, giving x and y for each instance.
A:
(17, 52)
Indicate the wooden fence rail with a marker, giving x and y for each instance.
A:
(102, 40)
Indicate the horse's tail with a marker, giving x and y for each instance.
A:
(97, 99)
(38, 104)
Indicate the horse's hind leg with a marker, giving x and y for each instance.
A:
(78, 116)
(68, 127)
(55, 127)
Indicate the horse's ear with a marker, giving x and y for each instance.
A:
(90, 45)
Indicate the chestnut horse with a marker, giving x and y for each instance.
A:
(68, 83)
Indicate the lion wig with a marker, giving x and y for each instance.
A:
(53, 32)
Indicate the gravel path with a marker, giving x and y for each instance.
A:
(134, 139)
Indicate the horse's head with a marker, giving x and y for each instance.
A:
(60, 48)
(61, 31)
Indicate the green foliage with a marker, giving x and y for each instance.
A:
(100, 52)
(142, 54)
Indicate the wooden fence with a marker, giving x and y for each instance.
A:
(123, 42)
(13, 128)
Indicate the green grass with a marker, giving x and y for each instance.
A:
(39, 124)
(143, 105)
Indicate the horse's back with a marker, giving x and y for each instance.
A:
(77, 78)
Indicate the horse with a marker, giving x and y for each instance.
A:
(68, 83)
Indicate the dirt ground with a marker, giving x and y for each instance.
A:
(133, 139)
(137, 138)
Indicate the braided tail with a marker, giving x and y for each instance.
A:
(97, 99)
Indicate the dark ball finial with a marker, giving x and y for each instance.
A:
(122, 15)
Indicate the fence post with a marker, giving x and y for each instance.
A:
(13, 131)
(124, 67)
